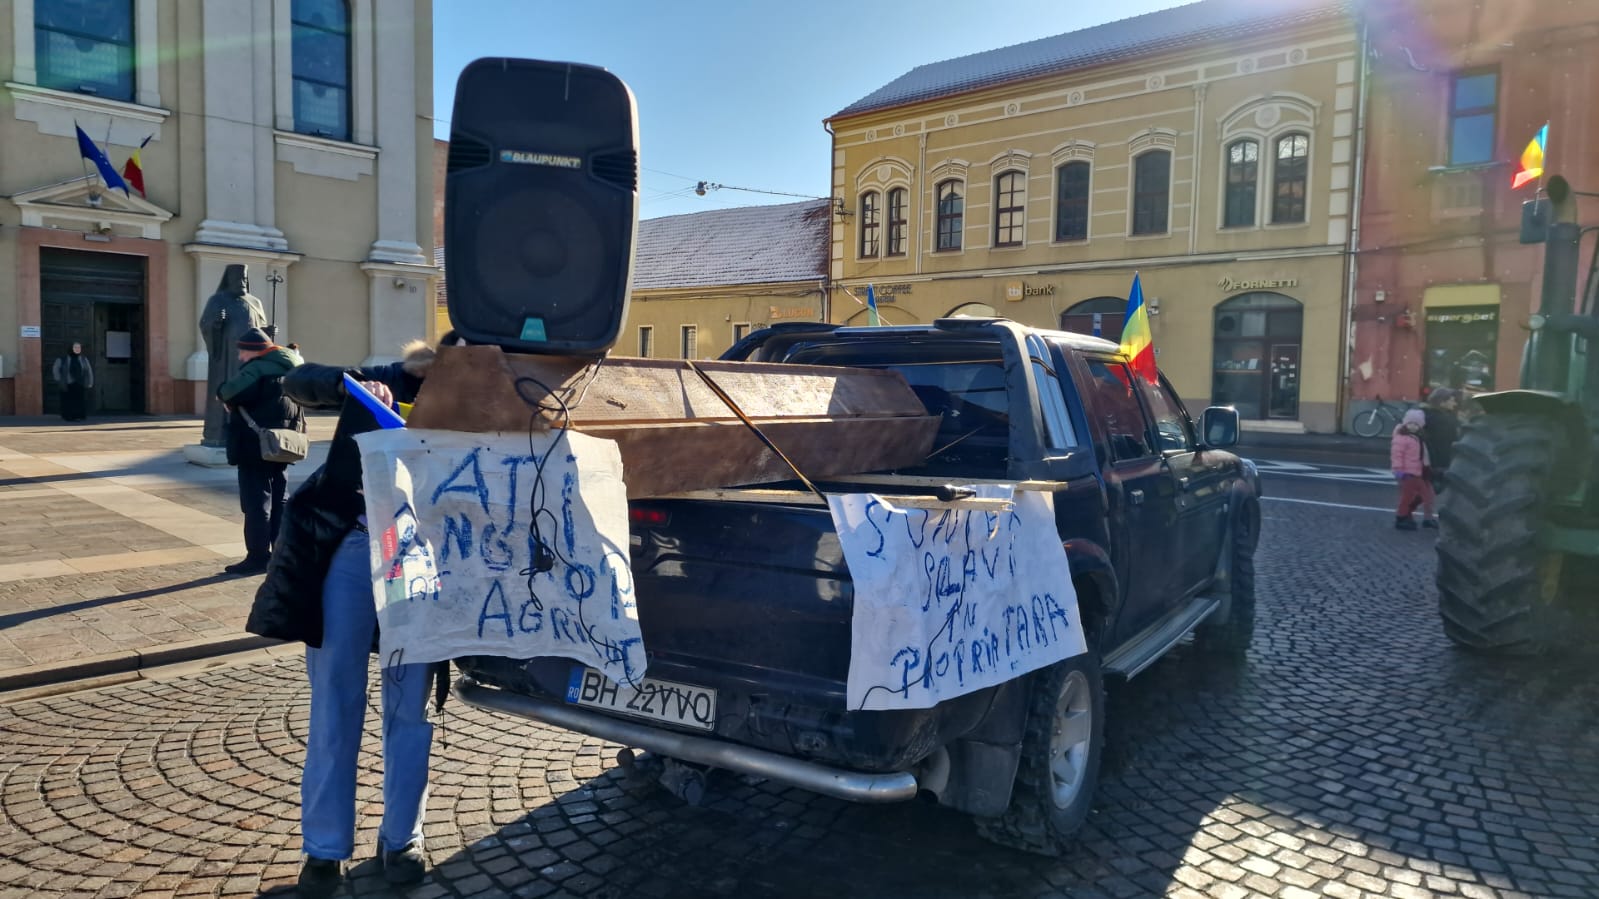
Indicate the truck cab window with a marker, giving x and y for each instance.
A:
(1171, 423)
(1058, 432)
(1115, 402)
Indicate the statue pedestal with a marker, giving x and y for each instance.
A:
(206, 456)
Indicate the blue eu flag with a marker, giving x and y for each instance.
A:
(89, 151)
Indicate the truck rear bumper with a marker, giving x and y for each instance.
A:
(852, 786)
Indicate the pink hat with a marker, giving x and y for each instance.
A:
(1416, 417)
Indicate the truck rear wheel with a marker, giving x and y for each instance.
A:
(1059, 768)
(1490, 567)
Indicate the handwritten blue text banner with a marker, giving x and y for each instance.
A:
(952, 600)
(486, 544)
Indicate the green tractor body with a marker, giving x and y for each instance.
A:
(1518, 553)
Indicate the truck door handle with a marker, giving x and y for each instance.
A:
(1182, 482)
(1138, 497)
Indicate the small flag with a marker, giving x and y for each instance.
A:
(871, 307)
(133, 169)
(88, 150)
(1137, 341)
(1532, 159)
(386, 417)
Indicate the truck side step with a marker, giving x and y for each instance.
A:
(1140, 652)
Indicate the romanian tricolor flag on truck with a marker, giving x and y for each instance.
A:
(1137, 341)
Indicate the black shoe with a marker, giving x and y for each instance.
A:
(1405, 524)
(1430, 523)
(248, 567)
(405, 866)
(320, 878)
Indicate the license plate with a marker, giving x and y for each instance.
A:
(657, 700)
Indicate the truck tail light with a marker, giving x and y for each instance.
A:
(648, 517)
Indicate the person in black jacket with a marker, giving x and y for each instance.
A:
(255, 394)
(1443, 429)
(318, 590)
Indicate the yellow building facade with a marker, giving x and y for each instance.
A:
(1220, 170)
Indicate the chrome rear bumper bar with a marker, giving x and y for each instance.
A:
(853, 786)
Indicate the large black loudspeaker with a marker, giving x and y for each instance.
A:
(540, 205)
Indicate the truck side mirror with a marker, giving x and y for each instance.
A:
(1218, 427)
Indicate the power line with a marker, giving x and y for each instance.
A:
(704, 186)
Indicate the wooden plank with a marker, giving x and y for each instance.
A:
(807, 498)
(907, 480)
(672, 457)
(486, 389)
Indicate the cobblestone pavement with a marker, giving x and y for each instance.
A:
(112, 545)
(1353, 754)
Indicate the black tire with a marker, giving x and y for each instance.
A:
(1490, 567)
(1368, 423)
(1046, 812)
(1230, 629)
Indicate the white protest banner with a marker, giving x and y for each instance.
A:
(952, 600)
(504, 545)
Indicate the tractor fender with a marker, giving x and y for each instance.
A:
(1548, 404)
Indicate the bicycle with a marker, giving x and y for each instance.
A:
(1379, 419)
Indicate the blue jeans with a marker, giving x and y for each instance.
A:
(338, 674)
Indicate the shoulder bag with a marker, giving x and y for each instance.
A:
(279, 444)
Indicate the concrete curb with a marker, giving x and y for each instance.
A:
(128, 662)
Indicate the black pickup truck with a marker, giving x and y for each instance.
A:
(745, 607)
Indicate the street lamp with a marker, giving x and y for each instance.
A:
(274, 277)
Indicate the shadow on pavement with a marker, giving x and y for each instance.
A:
(16, 618)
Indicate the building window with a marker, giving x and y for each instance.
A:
(1473, 108)
(321, 54)
(1288, 179)
(871, 216)
(691, 342)
(85, 46)
(1256, 352)
(1071, 201)
(1243, 167)
(898, 224)
(741, 330)
(1151, 192)
(951, 212)
(1098, 317)
(646, 341)
(1010, 209)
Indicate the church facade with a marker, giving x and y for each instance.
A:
(294, 142)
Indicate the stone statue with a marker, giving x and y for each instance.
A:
(229, 313)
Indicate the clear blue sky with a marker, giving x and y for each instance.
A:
(734, 91)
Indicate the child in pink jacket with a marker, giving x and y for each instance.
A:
(1407, 455)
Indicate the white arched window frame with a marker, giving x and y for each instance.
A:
(870, 225)
(146, 50)
(1010, 209)
(948, 220)
(363, 63)
(1266, 119)
(1147, 180)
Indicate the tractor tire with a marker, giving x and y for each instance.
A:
(1490, 567)
(1059, 770)
(1230, 629)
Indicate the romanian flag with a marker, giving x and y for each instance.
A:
(1532, 159)
(1137, 341)
(133, 170)
(88, 150)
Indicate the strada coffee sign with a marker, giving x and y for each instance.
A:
(1229, 283)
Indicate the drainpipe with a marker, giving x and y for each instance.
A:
(1362, 85)
(832, 221)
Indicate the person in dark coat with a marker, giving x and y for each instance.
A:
(1442, 430)
(255, 394)
(75, 376)
(318, 590)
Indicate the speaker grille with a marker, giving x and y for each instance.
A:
(620, 169)
(467, 153)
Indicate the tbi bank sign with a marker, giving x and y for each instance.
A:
(1016, 291)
